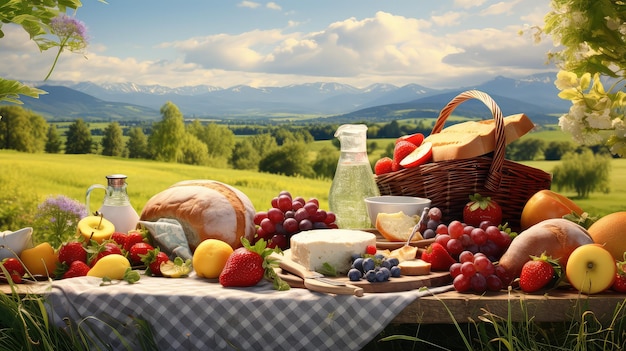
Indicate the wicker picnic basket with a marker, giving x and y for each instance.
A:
(449, 183)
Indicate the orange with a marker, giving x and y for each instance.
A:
(610, 231)
(40, 260)
(210, 257)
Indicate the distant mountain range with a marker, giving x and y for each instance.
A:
(534, 95)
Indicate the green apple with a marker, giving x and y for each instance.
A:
(591, 268)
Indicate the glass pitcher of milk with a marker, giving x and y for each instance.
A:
(116, 206)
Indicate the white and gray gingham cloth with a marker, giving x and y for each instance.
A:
(199, 314)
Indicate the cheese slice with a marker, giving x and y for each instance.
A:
(475, 138)
(414, 267)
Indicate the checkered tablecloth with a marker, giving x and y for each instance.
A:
(199, 314)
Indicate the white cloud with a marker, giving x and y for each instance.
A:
(273, 6)
(466, 4)
(447, 19)
(249, 4)
(384, 48)
(500, 8)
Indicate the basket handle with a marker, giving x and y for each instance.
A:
(495, 171)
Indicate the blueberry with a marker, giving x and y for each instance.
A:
(385, 263)
(395, 271)
(386, 273)
(393, 261)
(370, 276)
(355, 256)
(358, 264)
(380, 276)
(368, 264)
(354, 275)
(379, 256)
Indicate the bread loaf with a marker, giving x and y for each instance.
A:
(205, 209)
(475, 138)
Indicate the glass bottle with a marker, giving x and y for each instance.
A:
(116, 205)
(353, 180)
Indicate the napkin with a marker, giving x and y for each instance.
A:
(169, 235)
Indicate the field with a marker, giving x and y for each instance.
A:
(52, 174)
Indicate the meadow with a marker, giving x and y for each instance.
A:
(41, 175)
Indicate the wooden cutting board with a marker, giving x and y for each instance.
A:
(402, 283)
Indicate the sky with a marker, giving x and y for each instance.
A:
(223, 43)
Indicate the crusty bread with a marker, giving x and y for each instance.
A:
(414, 267)
(475, 138)
(205, 209)
(397, 226)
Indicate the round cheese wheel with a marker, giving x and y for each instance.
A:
(206, 209)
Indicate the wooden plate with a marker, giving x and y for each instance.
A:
(402, 283)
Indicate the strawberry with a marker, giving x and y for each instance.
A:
(247, 265)
(480, 209)
(97, 251)
(438, 257)
(72, 251)
(76, 269)
(153, 259)
(132, 238)
(619, 284)
(384, 165)
(15, 269)
(538, 273)
(402, 149)
(119, 238)
(137, 250)
(415, 139)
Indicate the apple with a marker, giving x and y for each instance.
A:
(591, 269)
(95, 228)
(419, 156)
(546, 204)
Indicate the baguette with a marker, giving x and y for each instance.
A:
(475, 138)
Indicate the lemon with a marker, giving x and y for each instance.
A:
(176, 269)
(210, 257)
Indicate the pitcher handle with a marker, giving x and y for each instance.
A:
(95, 186)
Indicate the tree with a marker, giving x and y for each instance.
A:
(264, 143)
(525, 149)
(325, 163)
(583, 172)
(113, 141)
(78, 138)
(53, 141)
(290, 159)
(556, 149)
(219, 139)
(168, 135)
(14, 128)
(137, 143)
(245, 156)
(194, 151)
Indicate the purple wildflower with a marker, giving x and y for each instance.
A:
(72, 35)
(57, 218)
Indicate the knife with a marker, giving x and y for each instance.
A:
(316, 281)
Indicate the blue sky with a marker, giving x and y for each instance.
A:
(438, 44)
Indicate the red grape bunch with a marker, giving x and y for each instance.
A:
(288, 216)
(476, 272)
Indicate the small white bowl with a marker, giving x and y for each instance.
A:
(392, 204)
(13, 243)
